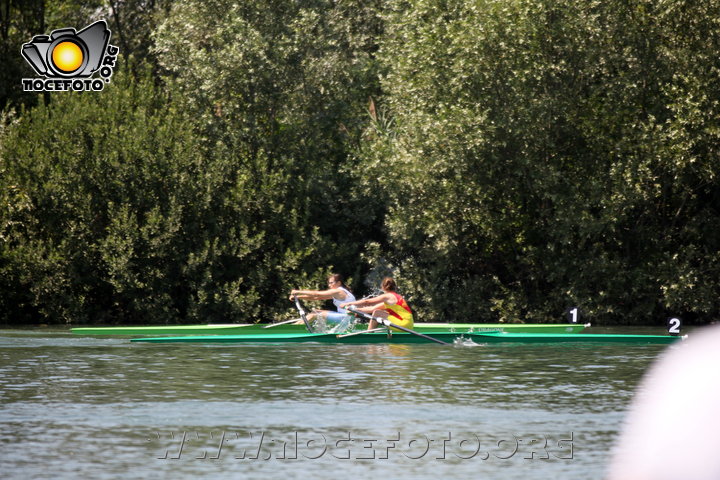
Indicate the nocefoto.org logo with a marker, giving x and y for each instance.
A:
(68, 59)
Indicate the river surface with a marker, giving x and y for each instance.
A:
(104, 408)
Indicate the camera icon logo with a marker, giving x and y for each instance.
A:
(67, 54)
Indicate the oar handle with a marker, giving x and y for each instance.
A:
(302, 314)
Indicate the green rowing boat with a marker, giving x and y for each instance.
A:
(402, 338)
(256, 328)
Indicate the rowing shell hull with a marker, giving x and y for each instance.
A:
(252, 329)
(403, 338)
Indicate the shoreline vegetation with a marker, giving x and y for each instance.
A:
(504, 161)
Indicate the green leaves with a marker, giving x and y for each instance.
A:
(114, 213)
(545, 156)
(503, 160)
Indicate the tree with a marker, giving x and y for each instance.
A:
(112, 212)
(287, 84)
(535, 160)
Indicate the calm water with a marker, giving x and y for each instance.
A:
(90, 407)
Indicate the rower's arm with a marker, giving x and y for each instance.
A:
(364, 302)
(314, 294)
(357, 303)
(371, 308)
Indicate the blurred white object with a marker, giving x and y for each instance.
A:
(672, 431)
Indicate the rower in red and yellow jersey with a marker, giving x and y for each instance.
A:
(399, 313)
(389, 305)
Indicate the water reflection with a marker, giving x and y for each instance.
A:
(64, 394)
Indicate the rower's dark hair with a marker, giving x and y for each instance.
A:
(336, 277)
(389, 284)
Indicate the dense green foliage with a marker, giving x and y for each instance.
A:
(120, 213)
(503, 159)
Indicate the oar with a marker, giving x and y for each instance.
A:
(302, 314)
(282, 323)
(388, 323)
(374, 330)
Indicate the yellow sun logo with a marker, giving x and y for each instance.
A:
(67, 56)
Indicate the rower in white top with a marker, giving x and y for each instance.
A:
(338, 293)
